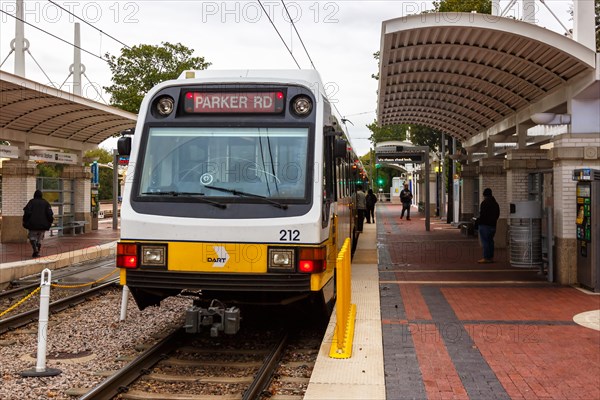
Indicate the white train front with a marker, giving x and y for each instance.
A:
(239, 188)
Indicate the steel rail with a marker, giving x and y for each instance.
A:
(120, 381)
(29, 287)
(265, 373)
(27, 317)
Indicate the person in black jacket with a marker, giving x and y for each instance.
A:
(489, 212)
(37, 218)
(371, 200)
(406, 200)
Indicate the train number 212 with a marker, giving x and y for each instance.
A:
(289, 235)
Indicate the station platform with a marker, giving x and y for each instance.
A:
(432, 323)
(57, 252)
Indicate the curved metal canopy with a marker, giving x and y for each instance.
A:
(43, 115)
(462, 73)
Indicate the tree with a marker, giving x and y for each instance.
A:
(480, 6)
(139, 68)
(385, 133)
(103, 155)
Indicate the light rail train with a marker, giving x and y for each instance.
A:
(239, 188)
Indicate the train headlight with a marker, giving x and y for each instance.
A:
(281, 259)
(302, 106)
(154, 255)
(165, 105)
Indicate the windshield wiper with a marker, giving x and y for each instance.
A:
(257, 196)
(188, 195)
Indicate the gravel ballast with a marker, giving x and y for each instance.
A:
(83, 342)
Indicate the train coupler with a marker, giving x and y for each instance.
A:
(217, 318)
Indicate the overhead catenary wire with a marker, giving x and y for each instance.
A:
(87, 23)
(342, 119)
(298, 34)
(280, 37)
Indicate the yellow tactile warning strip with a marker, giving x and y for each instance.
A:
(366, 256)
(361, 376)
(589, 319)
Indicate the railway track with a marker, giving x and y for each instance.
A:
(177, 364)
(22, 289)
(31, 315)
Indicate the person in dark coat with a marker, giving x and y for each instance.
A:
(37, 218)
(489, 212)
(406, 200)
(371, 200)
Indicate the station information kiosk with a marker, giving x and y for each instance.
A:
(588, 227)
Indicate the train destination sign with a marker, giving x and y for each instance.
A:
(234, 102)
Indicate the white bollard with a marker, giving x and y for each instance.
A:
(40, 368)
(124, 299)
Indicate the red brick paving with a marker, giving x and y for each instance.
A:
(519, 303)
(542, 361)
(543, 356)
(414, 304)
(439, 375)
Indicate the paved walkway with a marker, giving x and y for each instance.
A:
(57, 252)
(455, 329)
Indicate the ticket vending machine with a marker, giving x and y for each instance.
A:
(588, 227)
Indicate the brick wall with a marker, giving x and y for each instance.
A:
(519, 164)
(571, 151)
(18, 185)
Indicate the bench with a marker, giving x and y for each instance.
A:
(75, 226)
(467, 228)
(57, 229)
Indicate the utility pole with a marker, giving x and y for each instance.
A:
(19, 43)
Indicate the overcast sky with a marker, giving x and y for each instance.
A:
(340, 36)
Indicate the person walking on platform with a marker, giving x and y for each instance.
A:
(371, 200)
(361, 207)
(489, 212)
(406, 200)
(37, 218)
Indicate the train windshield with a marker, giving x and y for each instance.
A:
(225, 162)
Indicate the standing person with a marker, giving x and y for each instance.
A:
(406, 200)
(489, 212)
(361, 207)
(37, 218)
(371, 200)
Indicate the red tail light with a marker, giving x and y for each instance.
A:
(127, 255)
(312, 260)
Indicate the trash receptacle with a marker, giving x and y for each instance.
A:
(525, 234)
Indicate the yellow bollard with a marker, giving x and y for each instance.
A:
(343, 336)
